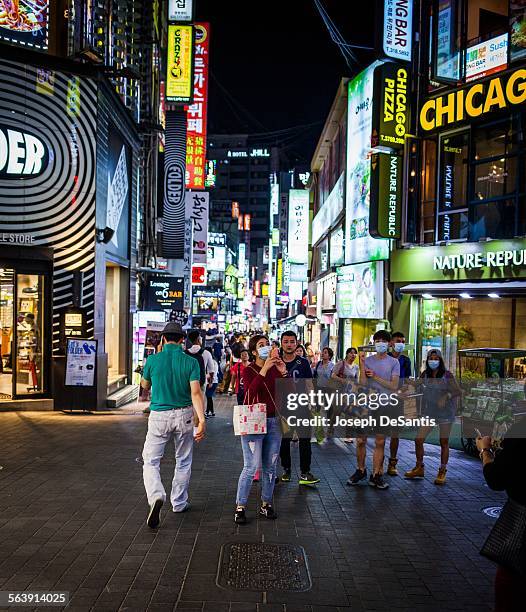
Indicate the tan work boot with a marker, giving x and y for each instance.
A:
(441, 476)
(416, 472)
(391, 467)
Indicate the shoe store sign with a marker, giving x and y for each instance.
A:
(21, 154)
(494, 260)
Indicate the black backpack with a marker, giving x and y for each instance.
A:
(199, 357)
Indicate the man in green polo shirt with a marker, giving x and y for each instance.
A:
(173, 378)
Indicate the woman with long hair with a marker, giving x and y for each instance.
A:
(439, 402)
(259, 383)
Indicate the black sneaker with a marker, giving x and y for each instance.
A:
(377, 481)
(154, 515)
(240, 517)
(308, 479)
(267, 511)
(357, 477)
(285, 477)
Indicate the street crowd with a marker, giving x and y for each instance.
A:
(184, 377)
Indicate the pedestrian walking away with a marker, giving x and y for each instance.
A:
(259, 379)
(211, 387)
(297, 368)
(174, 379)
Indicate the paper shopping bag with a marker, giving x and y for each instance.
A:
(250, 419)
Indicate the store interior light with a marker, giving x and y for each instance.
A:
(466, 296)
(427, 296)
(493, 295)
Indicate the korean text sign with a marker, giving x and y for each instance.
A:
(179, 64)
(197, 210)
(197, 112)
(298, 230)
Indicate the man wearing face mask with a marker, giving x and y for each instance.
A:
(380, 373)
(397, 349)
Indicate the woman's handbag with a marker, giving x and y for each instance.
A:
(506, 543)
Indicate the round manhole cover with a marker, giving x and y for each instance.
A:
(493, 511)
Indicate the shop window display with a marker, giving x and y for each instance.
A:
(29, 346)
(7, 292)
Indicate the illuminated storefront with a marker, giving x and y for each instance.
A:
(67, 181)
(461, 296)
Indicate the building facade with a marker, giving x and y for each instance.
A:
(459, 270)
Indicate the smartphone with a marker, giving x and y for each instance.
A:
(274, 353)
(477, 431)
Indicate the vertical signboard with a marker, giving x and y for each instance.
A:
(180, 10)
(398, 29)
(174, 179)
(283, 217)
(179, 64)
(359, 244)
(386, 195)
(188, 242)
(390, 106)
(197, 210)
(298, 231)
(197, 112)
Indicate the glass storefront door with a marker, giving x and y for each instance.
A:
(30, 333)
(7, 300)
(22, 308)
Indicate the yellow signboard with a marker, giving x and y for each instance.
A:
(473, 101)
(179, 64)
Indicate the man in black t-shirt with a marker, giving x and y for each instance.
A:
(297, 367)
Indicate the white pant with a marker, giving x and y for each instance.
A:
(162, 426)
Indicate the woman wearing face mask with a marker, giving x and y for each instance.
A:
(259, 383)
(439, 402)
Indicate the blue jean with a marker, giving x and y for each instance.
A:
(260, 450)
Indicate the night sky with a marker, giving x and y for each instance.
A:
(275, 59)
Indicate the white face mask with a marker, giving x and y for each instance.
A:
(433, 363)
(264, 351)
(399, 347)
(381, 347)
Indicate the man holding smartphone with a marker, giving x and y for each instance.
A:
(297, 367)
(174, 378)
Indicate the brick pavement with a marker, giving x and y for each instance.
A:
(72, 517)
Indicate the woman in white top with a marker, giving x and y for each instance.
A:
(211, 387)
(348, 373)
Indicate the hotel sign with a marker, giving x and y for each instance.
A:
(473, 101)
(493, 260)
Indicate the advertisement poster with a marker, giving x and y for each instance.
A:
(197, 112)
(298, 226)
(518, 29)
(179, 64)
(164, 293)
(81, 359)
(398, 29)
(197, 210)
(360, 291)
(25, 23)
(174, 183)
(487, 58)
(360, 246)
(329, 210)
(118, 193)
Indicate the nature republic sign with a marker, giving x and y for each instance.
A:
(494, 260)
